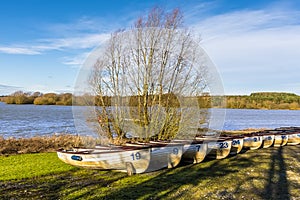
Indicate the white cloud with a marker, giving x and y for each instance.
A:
(48, 88)
(38, 47)
(81, 34)
(254, 50)
(82, 42)
(77, 60)
(19, 50)
(242, 22)
(84, 24)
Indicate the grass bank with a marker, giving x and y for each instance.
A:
(271, 173)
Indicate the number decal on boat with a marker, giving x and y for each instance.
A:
(269, 138)
(255, 139)
(136, 156)
(235, 142)
(223, 145)
(198, 147)
(175, 151)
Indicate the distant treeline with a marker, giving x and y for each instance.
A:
(38, 98)
(261, 100)
(265, 100)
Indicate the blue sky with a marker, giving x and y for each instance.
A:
(254, 44)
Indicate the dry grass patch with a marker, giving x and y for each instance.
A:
(38, 144)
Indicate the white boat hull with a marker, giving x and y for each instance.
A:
(253, 142)
(109, 159)
(268, 140)
(293, 139)
(237, 145)
(194, 152)
(219, 149)
(131, 159)
(280, 140)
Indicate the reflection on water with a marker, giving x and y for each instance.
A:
(31, 120)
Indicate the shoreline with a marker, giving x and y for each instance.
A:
(41, 144)
(70, 105)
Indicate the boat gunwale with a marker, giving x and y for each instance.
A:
(89, 151)
(205, 140)
(187, 142)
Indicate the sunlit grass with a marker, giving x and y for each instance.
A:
(31, 166)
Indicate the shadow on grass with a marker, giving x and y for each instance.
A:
(269, 179)
(277, 184)
(169, 183)
(58, 185)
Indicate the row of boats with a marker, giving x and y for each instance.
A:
(147, 157)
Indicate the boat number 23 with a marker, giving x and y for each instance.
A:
(223, 145)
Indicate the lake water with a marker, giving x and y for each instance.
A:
(32, 120)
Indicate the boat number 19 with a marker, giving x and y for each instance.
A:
(136, 156)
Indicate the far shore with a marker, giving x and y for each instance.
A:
(257, 100)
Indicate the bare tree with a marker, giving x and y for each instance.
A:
(147, 80)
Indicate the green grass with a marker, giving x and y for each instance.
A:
(30, 166)
(271, 173)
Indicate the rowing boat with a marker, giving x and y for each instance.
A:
(268, 140)
(216, 148)
(130, 158)
(292, 133)
(280, 140)
(154, 155)
(253, 142)
(293, 138)
(237, 143)
(125, 159)
(193, 151)
(164, 154)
